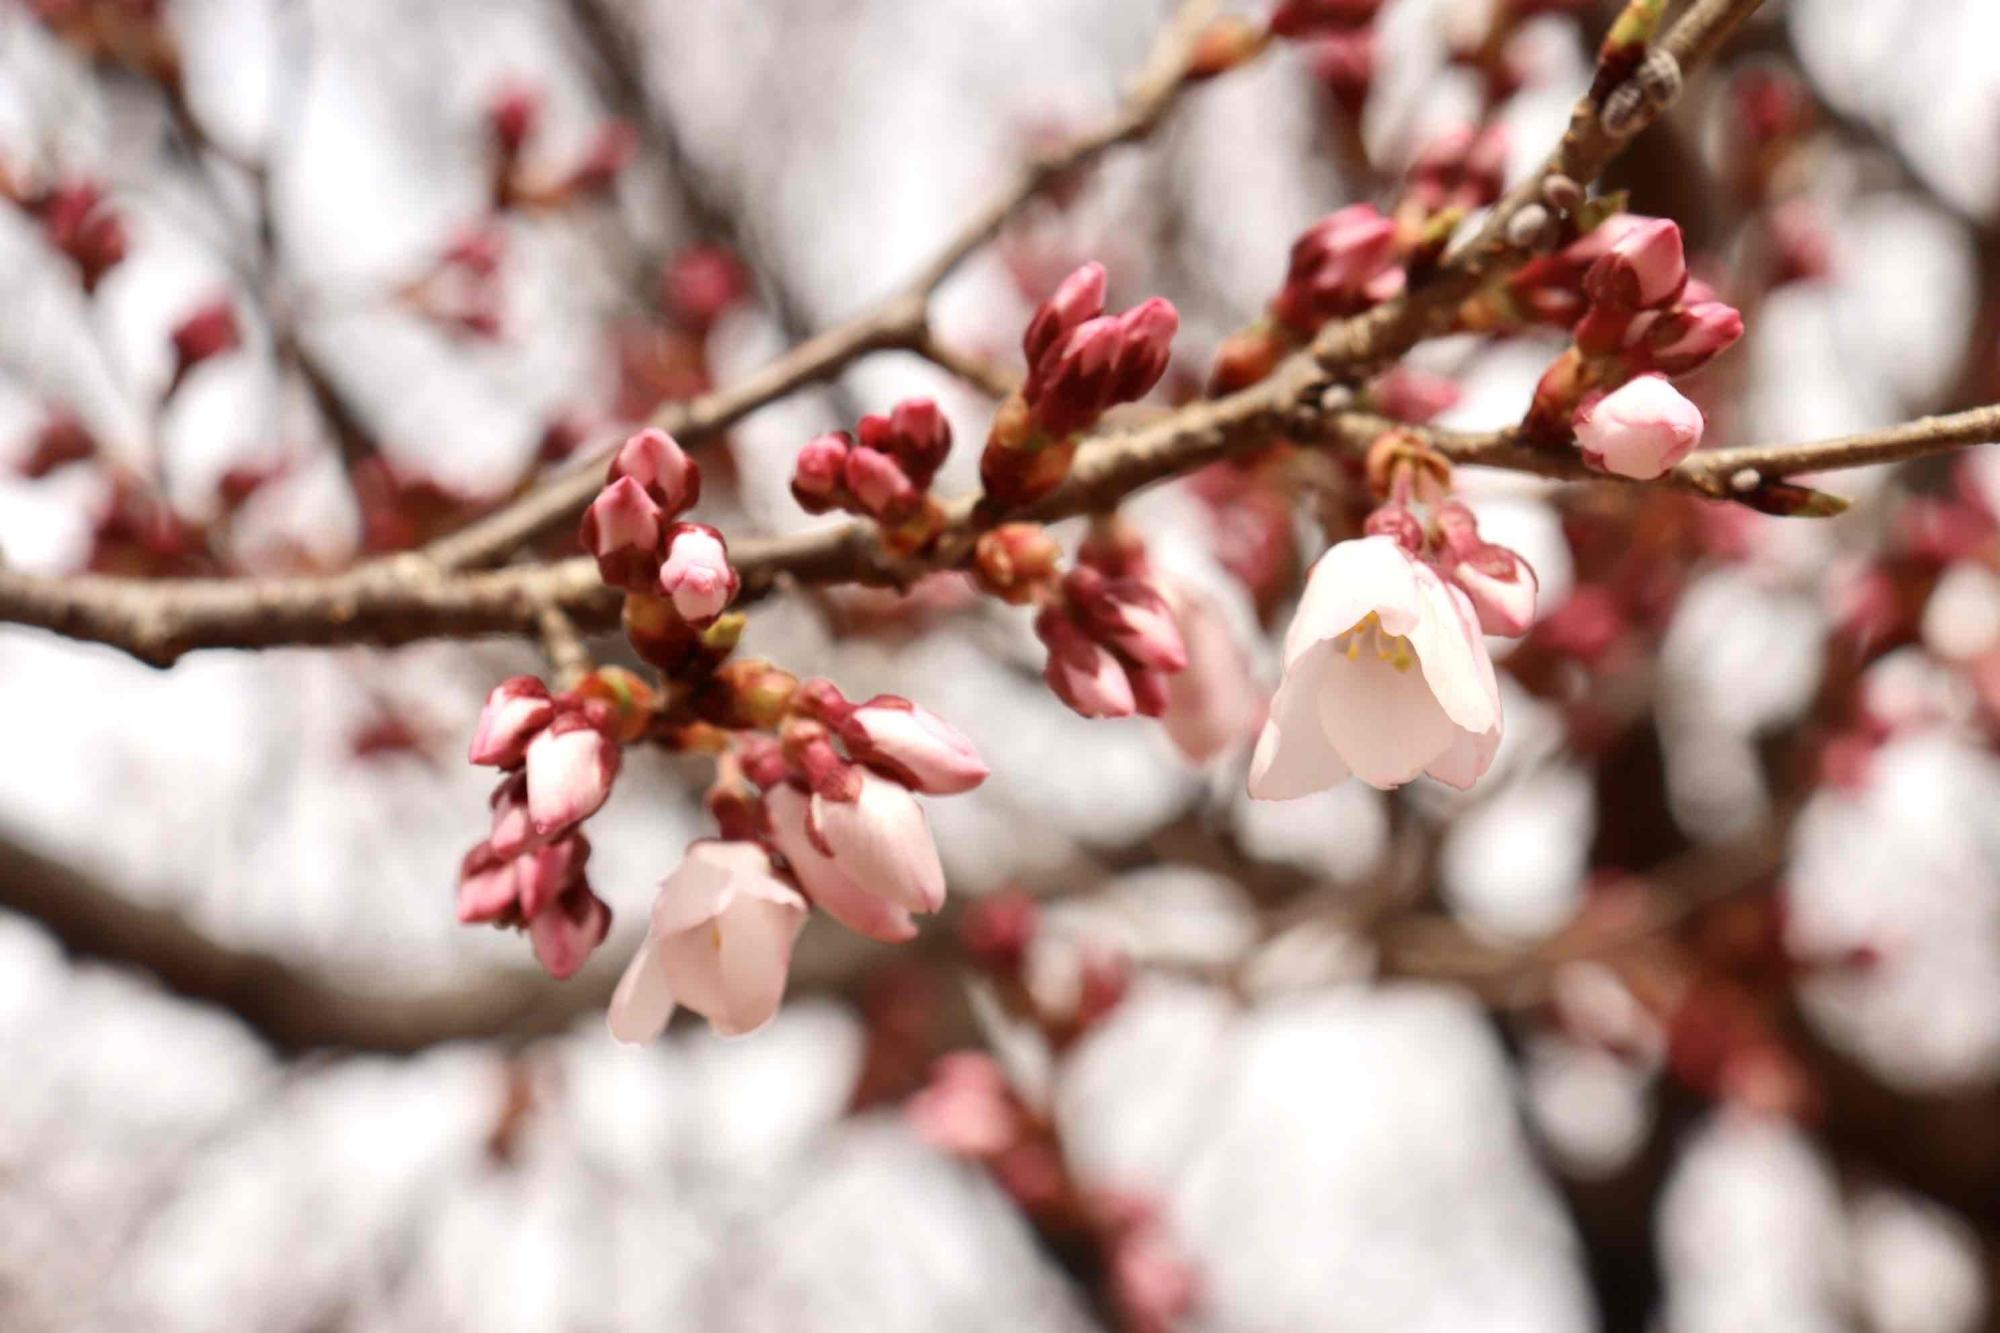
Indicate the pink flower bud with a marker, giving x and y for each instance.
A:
(512, 116)
(1332, 264)
(1497, 581)
(697, 574)
(913, 745)
(1687, 338)
(818, 477)
(966, 1109)
(208, 332)
(1130, 616)
(657, 462)
(486, 887)
(880, 839)
(1083, 673)
(515, 711)
(621, 529)
(1408, 394)
(568, 931)
(543, 874)
(1077, 298)
(1152, 690)
(1643, 268)
(701, 283)
(1640, 430)
(877, 481)
(862, 908)
(916, 434)
(571, 765)
(1147, 338)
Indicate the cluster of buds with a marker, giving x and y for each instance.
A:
(1113, 639)
(631, 530)
(76, 220)
(560, 755)
(882, 471)
(1341, 265)
(461, 290)
(823, 813)
(512, 119)
(1642, 316)
(1081, 363)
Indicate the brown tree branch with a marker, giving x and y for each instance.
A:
(403, 599)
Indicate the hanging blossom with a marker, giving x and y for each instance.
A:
(835, 825)
(1386, 673)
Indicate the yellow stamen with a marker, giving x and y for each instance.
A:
(1369, 635)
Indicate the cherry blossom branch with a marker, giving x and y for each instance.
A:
(1599, 127)
(899, 322)
(403, 599)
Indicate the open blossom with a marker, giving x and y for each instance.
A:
(831, 885)
(696, 574)
(720, 942)
(920, 749)
(1639, 430)
(1386, 677)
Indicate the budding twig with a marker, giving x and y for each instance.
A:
(899, 322)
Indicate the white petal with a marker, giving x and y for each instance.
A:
(1452, 654)
(644, 1000)
(1386, 724)
(1294, 757)
(1466, 759)
(756, 957)
(1350, 580)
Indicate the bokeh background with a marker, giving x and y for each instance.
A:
(256, 1077)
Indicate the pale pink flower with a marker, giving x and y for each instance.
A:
(1385, 677)
(916, 746)
(1500, 584)
(720, 942)
(571, 764)
(1639, 430)
(1213, 702)
(697, 574)
(832, 889)
(517, 708)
